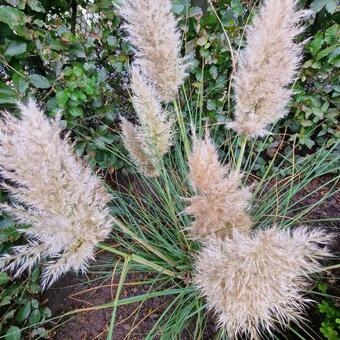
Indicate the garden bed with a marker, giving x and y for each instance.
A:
(134, 321)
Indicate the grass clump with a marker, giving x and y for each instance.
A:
(214, 236)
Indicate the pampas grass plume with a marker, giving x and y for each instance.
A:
(65, 204)
(152, 30)
(220, 203)
(256, 283)
(267, 66)
(148, 142)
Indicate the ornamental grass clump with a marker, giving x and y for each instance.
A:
(267, 66)
(152, 31)
(64, 203)
(149, 141)
(256, 283)
(238, 250)
(220, 204)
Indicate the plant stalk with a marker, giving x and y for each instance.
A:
(242, 150)
(140, 260)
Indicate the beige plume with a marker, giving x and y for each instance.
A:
(149, 141)
(220, 203)
(267, 66)
(62, 200)
(152, 30)
(257, 283)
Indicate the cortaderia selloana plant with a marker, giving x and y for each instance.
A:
(218, 244)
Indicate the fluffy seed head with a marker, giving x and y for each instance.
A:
(151, 140)
(267, 66)
(65, 204)
(220, 203)
(256, 283)
(152, 30)
(131, 139)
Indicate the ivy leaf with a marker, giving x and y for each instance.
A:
(15, 48)
(24, 312)
(39, 81)
(13, 333)
(34, 317)
(36, 6)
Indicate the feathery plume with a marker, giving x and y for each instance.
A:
(220, 203)
(152, 30)
(256, 283)
(267, 66)
(132, 142)
(65, 204)
(148, 142)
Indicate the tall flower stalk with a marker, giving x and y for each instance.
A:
(149, 141)
(51, 190)
(266, 67)
(220, 203)
(152, 31)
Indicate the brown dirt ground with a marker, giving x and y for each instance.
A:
(133, 323)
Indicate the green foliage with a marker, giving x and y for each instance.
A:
(316, 103)
(82, 75)
(19, 299)
(330, 327)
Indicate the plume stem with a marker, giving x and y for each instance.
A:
(140, 260)
(182, 128)
(244, 140)
(127, 231)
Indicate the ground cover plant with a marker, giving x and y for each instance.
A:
(200, 220)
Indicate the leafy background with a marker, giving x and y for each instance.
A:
(71, 56)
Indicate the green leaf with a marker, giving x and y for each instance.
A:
(318, 5)
(6, 300)
(177, 8)
(325, 52)
(331, 6)
(62, 98)
(15, 19)
(20, 83)
(214, 71)
(4, 278)
(39, 81)
(112, 41)
(76, 112)
(15, 48)
(7, 95)
(24, 312)
(13, 333)
(34, 317)
(316, 43)
(331, 34)
(36, 6)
